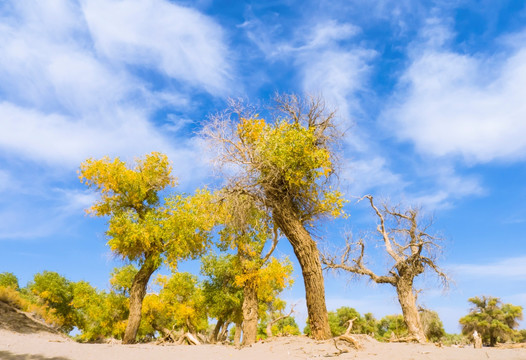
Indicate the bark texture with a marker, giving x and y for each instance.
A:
(250, 313)
(308, 256)
(215, 333)
(407, 299)
(237, 335)
(137, 293)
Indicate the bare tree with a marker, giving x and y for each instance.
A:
(278, 164)
(412, 250)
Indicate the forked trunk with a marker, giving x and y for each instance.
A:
(407, 300)
(250, 313)
(137, 293)
(215, 334)
(224, 332)
(308, 256)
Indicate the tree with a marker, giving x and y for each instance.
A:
(284, 326)
(100, 314)
(247, 229)
(56, 292)
(142, 228)
(8, 279)
(392, 326)
(285, 165)
(493, 320)
(223, 296)
(412, 250)
(432, 325)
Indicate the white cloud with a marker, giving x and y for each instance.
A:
(448, 186)
(179, 41)
(510, 268)
(337, 74)
(6, 181)
(369, 174)
(467, 105)
(60, 140)
(61, 101)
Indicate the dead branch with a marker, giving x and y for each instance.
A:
(349, 328)
(357, 266)
(272, 322)
(274, 244)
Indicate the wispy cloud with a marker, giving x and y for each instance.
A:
(460, 104)
(69, 89)
(88, 79)
(447, 187)
(510, 268)
(175, 40)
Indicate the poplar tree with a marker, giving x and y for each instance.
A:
(142, 228)
(284, 163)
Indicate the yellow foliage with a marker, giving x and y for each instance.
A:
(140, 224)
(287, 155)
(13, 298)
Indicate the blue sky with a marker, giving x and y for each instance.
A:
(431, 95)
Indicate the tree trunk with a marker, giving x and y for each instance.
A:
(269, 329)
(137, 293)
(250, 313)
(237, 335)
(215, 334)
(224, 332)
(308, 256)
(407, 300)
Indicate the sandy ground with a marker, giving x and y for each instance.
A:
(44, 346)
(22, 339)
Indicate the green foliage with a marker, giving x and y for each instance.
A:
(392, 324)
(223, 296)
(432, 325)
(100, 314)
(8, 279)
(338, 320)
(493, 320)
(455, 339)
(520, 336)
(122, 279)
(56, 292)
(286, 327)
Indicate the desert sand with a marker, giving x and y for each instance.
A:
(24, 338)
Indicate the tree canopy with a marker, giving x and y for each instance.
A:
(142, 227)
(493, 320)
(285, 164)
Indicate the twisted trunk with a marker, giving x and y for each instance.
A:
(406, 297)
(250, 313)
(308, 256)
(137, 293)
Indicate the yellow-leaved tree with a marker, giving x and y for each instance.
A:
(285, 164)
(142, 227)
(247, 230)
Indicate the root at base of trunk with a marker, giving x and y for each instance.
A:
(179, 339)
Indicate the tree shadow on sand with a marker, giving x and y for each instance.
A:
(6, 355)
